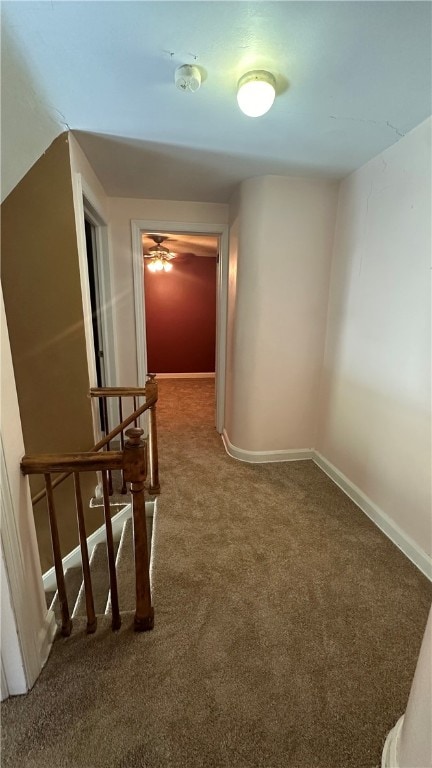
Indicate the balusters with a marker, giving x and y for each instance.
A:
(66, 622)
(116, 620)
(134, 463)
(154, 486)
(91, 617)
(123, 488)
(108, 445)
(135, 402)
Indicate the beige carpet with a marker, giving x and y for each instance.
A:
(287, 627)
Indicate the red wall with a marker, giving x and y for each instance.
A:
(181, 316)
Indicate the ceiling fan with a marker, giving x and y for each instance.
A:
(159, 256)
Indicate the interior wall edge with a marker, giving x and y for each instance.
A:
(264, 457)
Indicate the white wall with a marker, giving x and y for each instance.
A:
(375, 395)
(27, 628)
(13, 672)
(121, 212)
(28, 125)
(234, 212)
(281, 244)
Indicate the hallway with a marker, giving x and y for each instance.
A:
(287, 626)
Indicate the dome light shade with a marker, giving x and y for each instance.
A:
(256, 92)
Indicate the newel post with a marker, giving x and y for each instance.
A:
(134, 468)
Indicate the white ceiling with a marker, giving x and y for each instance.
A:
(353, 77)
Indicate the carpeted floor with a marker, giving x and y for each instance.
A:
(286, 636)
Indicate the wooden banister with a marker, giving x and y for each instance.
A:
(151, 394)
(75, 464)
(71, 462)
(132, 461)
(120, 391)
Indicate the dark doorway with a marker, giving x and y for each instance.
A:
(90, 235)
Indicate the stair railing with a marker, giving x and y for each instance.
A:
(150, 392)
(132, 462)
(120, 393)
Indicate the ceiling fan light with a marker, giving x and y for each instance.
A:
(152, 266)
(256, 92)
(167, 266)
(158, 265)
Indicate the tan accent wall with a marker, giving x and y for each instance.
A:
(42, 294)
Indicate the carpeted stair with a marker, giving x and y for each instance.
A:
(124, 551)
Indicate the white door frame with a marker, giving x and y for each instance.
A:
(85, 204)
(185, 227)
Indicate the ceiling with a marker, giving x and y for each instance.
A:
(185, 244)
(352, 78)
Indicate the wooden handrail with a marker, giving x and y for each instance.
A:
(71, 462)
(118, 391)
(151, 394)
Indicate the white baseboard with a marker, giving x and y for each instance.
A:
(390, 752)
(404, 542)
(264, 457)
(185, 376)
(401, 539)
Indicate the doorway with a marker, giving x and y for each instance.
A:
(180, 303)
(92, 266)
(96, 315)
(140, 228)
(94, 255)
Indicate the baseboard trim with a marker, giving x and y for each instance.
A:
(389, 757)
(404, 542)
(401, 539)
(185, 376)
(264, 457)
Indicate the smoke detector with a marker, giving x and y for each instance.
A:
(187, 78)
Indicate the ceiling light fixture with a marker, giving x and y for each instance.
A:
(256, 92)
(159, 257)
(159, 265)
(187, 78)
